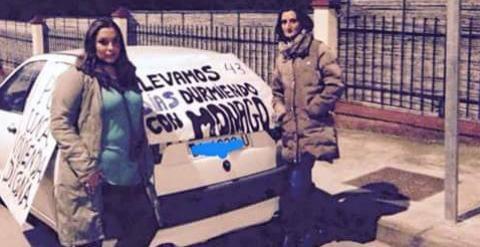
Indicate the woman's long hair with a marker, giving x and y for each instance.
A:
(89, 63)
(304, 20)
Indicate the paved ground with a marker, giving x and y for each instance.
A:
(384, 206)
(405, 218)
(10, 231)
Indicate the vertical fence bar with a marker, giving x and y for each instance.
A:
(262, 53)
(382, 64)
(216, 39)
(16, 41)
(211, 20)
(392, 60)
(221, 35)
(250, 47)
(355, 58)
(402, 52)
(161, 19)
(364, 55)
(202, 37)
(434, 63)
(269, 57)
(238, 31)
(163, 30)
(64, 24)
(412, 65)
(256, 49)
(346, 66)
(469, 64)
(205, 37)
(183, 22)
(422, 66)
(182, 34)
(372, 83)
(228, 39)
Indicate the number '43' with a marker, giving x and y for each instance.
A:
(235, 68)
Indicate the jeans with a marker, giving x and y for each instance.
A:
(294, 204)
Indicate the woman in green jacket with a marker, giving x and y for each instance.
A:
(305, 86)
(103, 186)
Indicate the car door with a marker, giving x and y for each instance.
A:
(13, 97)
(30, 88)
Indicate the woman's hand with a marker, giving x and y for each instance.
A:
(279, 113)
(93, 181)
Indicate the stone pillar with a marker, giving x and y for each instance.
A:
(120, 17)
(38, 30)
(325, 22)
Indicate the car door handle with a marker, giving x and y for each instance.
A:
(12, 129)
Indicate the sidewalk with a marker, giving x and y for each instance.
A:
(11, 232)
(416, 169)
(400, 195)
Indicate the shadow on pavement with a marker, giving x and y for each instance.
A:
(353, 215)
(350, 215)
(40, 235)
(469, 214)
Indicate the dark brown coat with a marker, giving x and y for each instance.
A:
(307, 83)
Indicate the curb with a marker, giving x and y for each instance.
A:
(398, 236)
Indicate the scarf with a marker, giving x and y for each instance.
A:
(297, 47)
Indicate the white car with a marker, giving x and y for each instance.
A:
(207, 119)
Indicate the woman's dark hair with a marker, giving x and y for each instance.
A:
(88, 61)
(305, 21)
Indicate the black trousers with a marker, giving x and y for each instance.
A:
(128, 215)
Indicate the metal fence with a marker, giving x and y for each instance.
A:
(15, 43)
(388, 61)
(470, 81)
(255, 46)
(226, 32)
(393, 63)
(65, 33)
(210, 18)
(399, 62)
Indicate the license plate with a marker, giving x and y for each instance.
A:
(219, 147)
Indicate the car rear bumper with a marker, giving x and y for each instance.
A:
(196, 204)
(221, 207)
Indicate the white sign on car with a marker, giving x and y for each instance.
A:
(33, 147)
(208, 98)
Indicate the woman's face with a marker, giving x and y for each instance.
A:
(290, 25)
(107, 45)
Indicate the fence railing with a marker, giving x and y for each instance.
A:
(394, 62)
(255, 46)
(58, 40)
(15, 43)
(399, 60)
(470, 58)
(65, 33)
